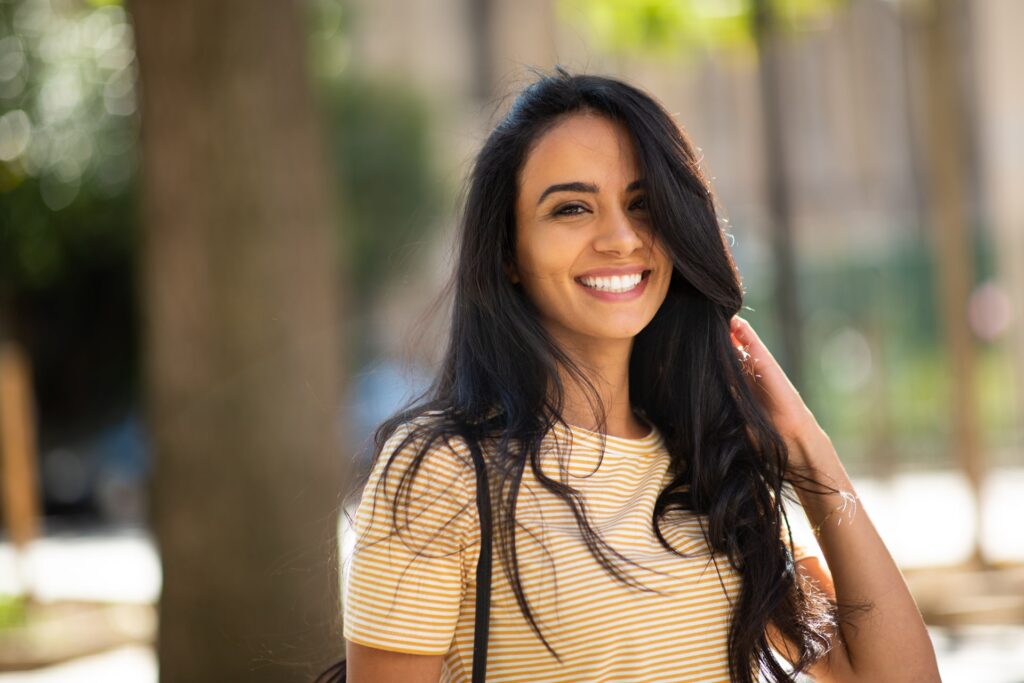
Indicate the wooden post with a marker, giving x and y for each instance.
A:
(779, 202)
(948, 153)
(18, 459)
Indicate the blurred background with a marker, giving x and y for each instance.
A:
(225, 228)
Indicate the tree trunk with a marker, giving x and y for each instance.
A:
(948, 147)
(481, 36)
(240, 309)
(780, 212)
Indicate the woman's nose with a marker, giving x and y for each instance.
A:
(618, 234)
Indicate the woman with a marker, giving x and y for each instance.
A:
(637, 436)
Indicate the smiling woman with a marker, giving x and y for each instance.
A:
(586, 255)
(636, 459)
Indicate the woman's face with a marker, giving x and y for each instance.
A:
(585, 253)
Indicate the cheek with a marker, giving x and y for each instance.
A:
(665, 266)
(548, 263)
(660, 255)
(665, 285)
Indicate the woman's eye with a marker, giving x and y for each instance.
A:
(641, 204)
(566, 210)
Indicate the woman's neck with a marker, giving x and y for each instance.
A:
(611, 379)
(631, 428)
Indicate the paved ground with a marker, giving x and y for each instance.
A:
(125, 665)
(924, 518)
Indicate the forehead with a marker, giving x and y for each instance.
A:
(584, 147)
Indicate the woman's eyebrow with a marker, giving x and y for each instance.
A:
(578, 186)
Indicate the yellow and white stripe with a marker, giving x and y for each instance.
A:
(603, 630)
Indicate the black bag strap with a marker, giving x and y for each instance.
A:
(338, 672)
(483, 567)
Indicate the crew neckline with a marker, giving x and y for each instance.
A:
(651, 438)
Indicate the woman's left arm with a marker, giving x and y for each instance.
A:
(889, 642)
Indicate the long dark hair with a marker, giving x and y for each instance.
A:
(500, 386)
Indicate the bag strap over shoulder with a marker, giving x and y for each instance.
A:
(483, 568)
(338, 672)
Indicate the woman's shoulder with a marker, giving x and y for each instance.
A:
(424, 470)
(430, 442)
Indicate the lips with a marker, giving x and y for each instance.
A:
(603, 292)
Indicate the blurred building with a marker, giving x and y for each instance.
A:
(852, 91)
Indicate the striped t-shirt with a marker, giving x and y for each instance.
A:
(415, 592)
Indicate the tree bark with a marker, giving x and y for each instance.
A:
(949, 183)
(481, 20)
(240, 309)
(780, 211)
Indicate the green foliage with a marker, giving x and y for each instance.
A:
(379, 132)
(670, 27)
(12, 611)
(67, 140)
(390, 193)
(42, 249)
(68, 221)
(660, 27)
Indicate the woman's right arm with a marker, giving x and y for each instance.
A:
(404, 588)
(374, 665)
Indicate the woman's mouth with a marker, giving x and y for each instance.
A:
(617, 287)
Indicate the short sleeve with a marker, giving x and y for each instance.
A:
(404, 585)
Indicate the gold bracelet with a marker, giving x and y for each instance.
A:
(849, 499)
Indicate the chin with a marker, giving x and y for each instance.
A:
(618, 332)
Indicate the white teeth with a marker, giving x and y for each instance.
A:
(615, 283)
